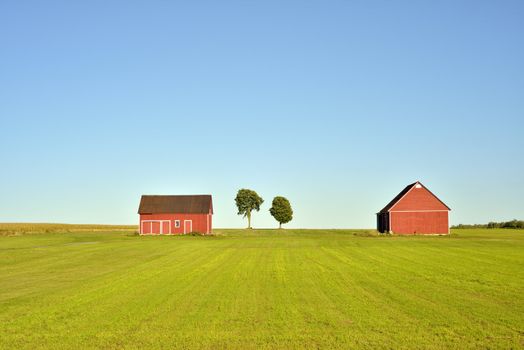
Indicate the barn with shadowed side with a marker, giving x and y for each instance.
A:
(415, 210)
(165, 215)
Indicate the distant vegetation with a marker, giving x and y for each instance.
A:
(505, 224)
(17, 229)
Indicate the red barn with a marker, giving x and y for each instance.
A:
(415, 210)
(168, 215)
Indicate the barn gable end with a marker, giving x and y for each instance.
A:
(415, 210)
(418, 197)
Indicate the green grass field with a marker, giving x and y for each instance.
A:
(262, 289)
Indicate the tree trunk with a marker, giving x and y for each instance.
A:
(279, 225)
(248, 219)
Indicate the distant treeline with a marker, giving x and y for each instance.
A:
(504, 224)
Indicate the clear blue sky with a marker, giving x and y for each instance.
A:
(336, 105)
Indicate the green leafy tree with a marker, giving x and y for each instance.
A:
(281, 210)
(247, 201)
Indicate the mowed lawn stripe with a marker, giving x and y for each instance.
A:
(477, 303)
(262, 289)
(447, 268)
(143, 284)
(395, 300)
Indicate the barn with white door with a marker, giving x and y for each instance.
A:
(172, 215)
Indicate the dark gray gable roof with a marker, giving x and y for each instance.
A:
(192, 204)
(397, 198)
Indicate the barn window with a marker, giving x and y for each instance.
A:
(418, 186)
(177, 223)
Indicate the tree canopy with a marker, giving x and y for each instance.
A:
(247, 201)
(281, 210)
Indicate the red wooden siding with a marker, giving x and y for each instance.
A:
(152, 223)
(145, 229)
(435, 222)
(155, 227)
(166, 226)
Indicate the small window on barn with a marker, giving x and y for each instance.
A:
(418, 186)
(177, 223)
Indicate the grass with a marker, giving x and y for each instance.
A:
(17, 229)
(262, 289)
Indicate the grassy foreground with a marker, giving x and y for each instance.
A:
(262, 289)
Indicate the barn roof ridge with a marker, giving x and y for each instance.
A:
(180, 204)
(404, 192)
(176, 195)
